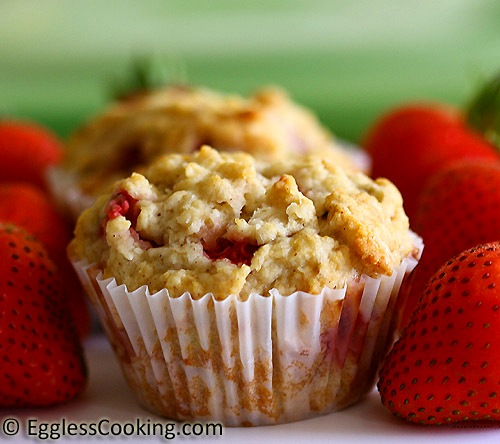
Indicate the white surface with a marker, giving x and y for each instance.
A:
(107, 397)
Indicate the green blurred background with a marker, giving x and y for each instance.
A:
(348, 60)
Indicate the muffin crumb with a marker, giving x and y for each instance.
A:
(226, 223)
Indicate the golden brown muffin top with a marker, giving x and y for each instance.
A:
(228, 224)
(130, 133)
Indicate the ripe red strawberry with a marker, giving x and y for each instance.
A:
(27, 206)
(444, 368)
(26, 151)
(40, 353)
(412, 142)
(458, 208)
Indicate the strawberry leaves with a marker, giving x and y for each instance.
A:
(483, 113)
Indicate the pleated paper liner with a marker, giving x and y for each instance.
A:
(265, 360)
(66, 192)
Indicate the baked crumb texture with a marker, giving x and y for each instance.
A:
(226, 224)
(129, 134)
(245, 292)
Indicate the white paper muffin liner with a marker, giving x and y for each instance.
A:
(67, 193)
(266, 360)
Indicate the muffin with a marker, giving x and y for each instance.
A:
(132, 132)
(246, 292)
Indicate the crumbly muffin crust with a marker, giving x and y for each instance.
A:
(226, 223)
(179, 119)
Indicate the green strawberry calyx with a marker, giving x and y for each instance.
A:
(483, 112)
(147, 73)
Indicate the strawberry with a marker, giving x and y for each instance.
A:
(444, 368)
(26, 151)
(27, 206)
(41, 357)
(123, 204)
(412, 142)
(237, 251)
(458, 208)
